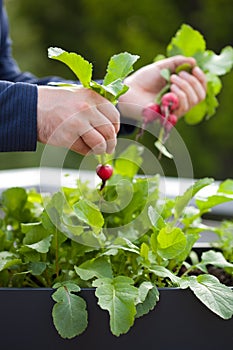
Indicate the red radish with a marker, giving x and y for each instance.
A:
(171, 121)
(170, 100)
(104, 171)
(151, 112)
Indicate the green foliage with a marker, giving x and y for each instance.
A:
(117, 295)
(81, 68)
(207, 289)
(69, 242)
(69, 312)
(119, 67)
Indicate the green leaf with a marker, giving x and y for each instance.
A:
(216, 259)
(122, 243)
(163, 272)
(155, 218)
(184, 67)
(37, 238)
(187, 42)
(182, 201)
(88, 212)
(226, 187)
(129, 161)
(216, 296)
(69, 313)
(37, 268)
(96, 267)
(171, 242)
(210, 100)
(204, 204)
(196, 114)
(8, 260)
(41, 246)
(81, 68)
(218, 64)
(72, 231)
(119, 67)
(54, 207)
(112, 91)
(148, 296)
(165, 74)
(191, 238)
(117, 296)
(162, 149)
(14, 199)
(144, 251)
(215, 82)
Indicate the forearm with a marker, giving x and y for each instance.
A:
(18, 117)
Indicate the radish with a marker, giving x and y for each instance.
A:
(151, 112)
(171, 121)
(170, 100)
(104, 171)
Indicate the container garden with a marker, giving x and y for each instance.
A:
(51, 258)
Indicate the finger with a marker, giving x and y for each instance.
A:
(107, 130)
(111, 113)
(99, 145)
(95, 141)
(195, 84)
(80, 147)
(96, 131)
(185, 82)
(200, 75)
(183, 100)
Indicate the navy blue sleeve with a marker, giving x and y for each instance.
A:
(18, 117)
(18, 98)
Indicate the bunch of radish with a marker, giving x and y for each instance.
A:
(162, 112)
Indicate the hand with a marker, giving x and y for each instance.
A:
(147, 82)
(76, 118)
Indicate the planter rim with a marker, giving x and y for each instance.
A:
(82, 289)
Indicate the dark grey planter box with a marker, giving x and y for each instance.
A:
(179, 321)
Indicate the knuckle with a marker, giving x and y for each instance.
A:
(109, 132)
(82, 106)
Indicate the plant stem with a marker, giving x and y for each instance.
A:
(103, 158)
(56, 258)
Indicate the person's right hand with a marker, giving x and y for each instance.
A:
(79, 119)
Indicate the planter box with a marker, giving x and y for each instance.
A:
(179, 321)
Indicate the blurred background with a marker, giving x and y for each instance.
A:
(99, 29)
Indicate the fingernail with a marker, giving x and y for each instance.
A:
(184, 74)
(197, 69)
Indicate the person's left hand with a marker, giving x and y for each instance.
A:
(147, 82)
